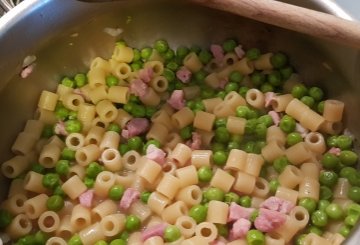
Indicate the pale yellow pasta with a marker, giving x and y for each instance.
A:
(159, 84)
(187, 225)
(191, 195)
(183, 118)
(206, 137)
(223, 110)
(123, 53)
(151, 98)
(49, 155)
(224, 72)
(74, 141)
(87, 154)
(99, 63)
(333, 110)
(195, 240)
(49, 221)
(140, 210)
(169, 167)
(336, 239)
(97, 94)
(341, 188)
(110, 140)
(112, 224)
(97, 77)
(274, 239)
(15, 166)
(94, 136)
(103, 182)
(155, 240)
(315, 142)
(290, 177)
(311, 120)
(111, 159)
(192, 62)
(212, 80)
(85, 91)
(16, 203)
(244, 66)
(73, 101)
(272, 151)
(310, 170)
(222, 180)
(77, 170)
(156, 66)
(131, 160)
(271, 173)
(158, 132)
(16, 187)
(122, 118)
(86, 112)
(181, 154)
(204, 120)
(149, 170)
(120, 69)
(200, 158)
(35, 206)
(217, 212)
(244, 183)
(34, 128)
(287, 194)
(169, 186)
(210, 104)
(106, 111)
(255, 98)
(207, 231)
(280, 102)
(103, 209)
(68, 187)
(33, 182)
(174, 211)
(309, 187)
(124, 178)
(46, 116)
(157, 202)
(65, 229)
(191, 92)
(162, 117)
(48, 100)
(236, 160)
(56, 241)
(298, 153)
(256, 202)
(274, 133)
(331, 127)
(135, 238)
(264, 62)
(91, 234)
(19, 226)
(314, 239)
(118, 94)
(233, 99)
(24, 143)
(261, 188)
(236, 125)
(62, 90)
(254, 162)
(80, 217)
(187, 175)
(296, 109)
(292, 81)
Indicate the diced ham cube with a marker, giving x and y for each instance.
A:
(269, 220)
(134, 127)
(223, 82)
(155, 154)
(138, 87)
(239, 51)
(60, 128)
(269, 98)
(183, 74)
(195, 142)
(129, 197)
(334, 150)
(146, 74)
(300, 129)
(177, 100)
(218, 53)
(156, 230)
(238, 212)
(277, 204)
(86, 198)
(239, 229)
(275, 117)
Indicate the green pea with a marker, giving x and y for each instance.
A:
(128, 107)
(182, 51)
(344, 142)
(242, 111)
(345, 172)
(250, 126)
(101, 242)
(207, 93)
(331, 141)
(354, 179)
(221, 94)
(258, 146)
(351, 220)
(186, 132)
(68, 82)
(150, 111)
(169, 75)
(223, 230)
(26, 240)
(328, 178)
(62, 167)
(200, 76)
(231, 197)
(220, 158)
(75, 240)
(322, 204)
(314, 229)
(41, 237)
(172, 233)
(307, 100)
(124, 236)
(161, 46)
(135, 143)
(257, 78)
(299, 240)
(72, 115)
(348, 158)
(204, 174)
(68, 154)
(220, 122)
(278, 60)
(354, 193)
(319, 218)
(274, 78)
(236, 138)
(59, 191)
(195, 48)
(50, 180)
(253, 54)
(114, 127)
(80, 80)
(138, 110)
(118, 242)
(38, 168)
(286, 72)
(353, 209)
(287, 124)
(235, 77)
(61, 113)
(222, 135)
(273, 185)
(325, 193)
(5, 218)
(151, 142)
(280, 163)
(345, 230)
(330, 161)
(293, 138)
(123, 148)
(260, 130)
(136, 66)
(216, 146)
(214, 193)
(245, 201)
(199, 106)
(316, 93)
(47, 131)
(231, 87)
(255, 237)
(243, 90)
(249, 147)
(145, 53)
(265, 119)
(89, 182)
(132, 223)
(198, 213)
(253, 114)
(299, 91)
(144, 197)
(308, 203)
(137, 55)
(111, 80)
(55, 203)
(73, 126)
(172, 66)
(334, 211)
(229, 45)
(93, 169)
(205, 56)
(233, 145)
(116, 192)
(320, 107)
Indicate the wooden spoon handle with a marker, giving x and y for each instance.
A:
(293, 18)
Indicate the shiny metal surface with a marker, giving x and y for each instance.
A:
(64, 46)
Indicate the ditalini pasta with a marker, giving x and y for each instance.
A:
(190, 147)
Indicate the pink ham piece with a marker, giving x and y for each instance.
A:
(239, 51)
(183, 74)
(300, 129)
(275, 117)
(86, 198)
(239, 229)
(218, 53)
(146, 74)
(138, 87)
(218, 242)
(334, 150)
(26, 71)
(269, 98)
(155, 154)
(195, 142)
(60, 128)
(238, 212)
(177, 100)
(269, 220)
(134, 127)
(277, 204)
(156, 230)
(129, 197)
(223, 82)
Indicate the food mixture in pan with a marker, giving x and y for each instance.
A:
(215, 145)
